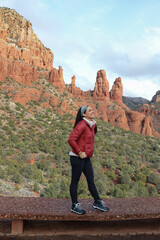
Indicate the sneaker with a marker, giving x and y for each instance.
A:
(77, 209)
(100, 205)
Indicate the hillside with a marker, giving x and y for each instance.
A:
(152, 109)
(34, 157)
(133, 102)
(37, 112)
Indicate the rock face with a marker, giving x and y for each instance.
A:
(26, 95)
(77, 91)
(156, 97)
(118, 115)
(152, 111)
(101, 89)
(117, 91)
(73, 88)
(20, 42)
(149, 110)
(21, 52)
(54, 101)
(139, 123)
(24, 61)
(73, 83)
(56, 78)
(118, 118)
(21, 72)
(147, 127)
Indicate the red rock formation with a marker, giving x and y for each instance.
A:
(72, 87)
(152, 111)
(73, 83)
(24, 95)
(118, 118)
(154, 115)
(155, 133)
(139, 123)
(19, 43)
(101, 109)
(25, 59)
(21, 72)
(126, 119)
(147, 126)
(101, 89)
(156, 97)
(54, 101)
(43, 75)
(77, 92)
(21, 52)
(117, 91)
(149, 110)
(56, 78)
(64, 106)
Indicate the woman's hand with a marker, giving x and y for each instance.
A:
(82, 155)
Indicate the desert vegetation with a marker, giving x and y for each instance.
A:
(34, 156)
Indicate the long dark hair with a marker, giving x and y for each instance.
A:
(79, 118)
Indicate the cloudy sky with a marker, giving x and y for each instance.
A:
(120, 36)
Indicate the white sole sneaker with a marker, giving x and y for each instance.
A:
(77, 212)
(103, 210)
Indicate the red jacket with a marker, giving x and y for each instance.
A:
(82, 138)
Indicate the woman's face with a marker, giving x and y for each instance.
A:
(89, 114)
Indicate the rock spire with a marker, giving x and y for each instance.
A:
(101, 89)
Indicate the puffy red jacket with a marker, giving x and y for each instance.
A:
(82, 138)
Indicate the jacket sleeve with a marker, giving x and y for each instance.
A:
(75, 134)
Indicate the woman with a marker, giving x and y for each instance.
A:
(82, 142)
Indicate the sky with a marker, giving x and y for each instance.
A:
(120, 36)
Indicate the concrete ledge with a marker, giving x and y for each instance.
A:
(59, 209)
(124, 210)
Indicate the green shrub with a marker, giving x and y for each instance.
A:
(141, 177)
(152, 178)
(125, 179)
(110, 175)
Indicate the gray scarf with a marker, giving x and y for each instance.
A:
(91, 123)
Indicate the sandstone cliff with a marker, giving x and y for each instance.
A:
(21, 42)
(152, 110)
(24, 61)
(156, 97)
(56, 77)
(21, 52)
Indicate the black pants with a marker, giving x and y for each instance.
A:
(78, 166)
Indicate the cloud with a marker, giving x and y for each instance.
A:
(145, 88)
(152, 40)
(141, 58)
(138, 63)
(78, 62)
